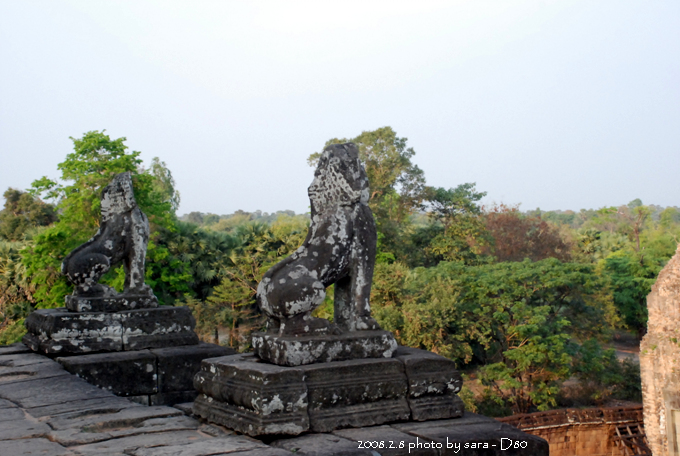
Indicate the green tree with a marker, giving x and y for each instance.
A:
(16, 292)
(22, 212)
(231, 306)
(515, 319)
(462, 235)
(85, 172)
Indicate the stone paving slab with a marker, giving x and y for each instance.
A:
(476, 434)
(12, 414)
(50, 391)
(126, 417)
(23, 429)
(16, 374)
(23, 359)
(386, 440)
(269, 451)
(321, 445)
(110, 404)
(14, 349)
(216, 446)
(33, 447)
(129, 443)
(82, 430)
(4, 403)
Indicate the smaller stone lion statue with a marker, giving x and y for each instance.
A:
(122, 237)
(340, 248)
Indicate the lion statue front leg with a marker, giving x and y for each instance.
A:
(352, 308)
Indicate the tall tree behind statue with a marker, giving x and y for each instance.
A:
(84, 173)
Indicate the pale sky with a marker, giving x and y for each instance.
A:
(551, 104)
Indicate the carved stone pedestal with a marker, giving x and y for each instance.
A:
(255, 397)
(59, 332)
(299, 350)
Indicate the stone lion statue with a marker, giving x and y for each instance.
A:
(340, 248)
(122, 237)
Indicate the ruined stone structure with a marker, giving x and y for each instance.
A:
(123, 340)
(660, 362)
(310, 375)
(610, 431)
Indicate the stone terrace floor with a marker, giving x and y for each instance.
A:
(46, 411)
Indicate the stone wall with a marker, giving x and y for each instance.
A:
(660, 362)
(580, 432)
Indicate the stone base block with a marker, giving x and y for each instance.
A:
(154, 377)
(300, 350)
(433, 384)
(60, 332)
(131, 373)
(110, 304)
(249, 395)
(355, 393)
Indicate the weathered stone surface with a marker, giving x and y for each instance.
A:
(321, 445)
(33, 447)
(4, 403)
(110, 304)
(21, 370)
(474, 434)
(178, 365)
(385, 440)
(269, 451)
(127, 444)
(251, 396)
(14, 349)
(158, 328)
(360, 392)
(12, 414)
(22, 429)
(24, 359)
(80, 407)
(99, 433)
(58, 331)
(660, 361)
(122, 238)
(217, 446)
(339, 249)
(128, 373)
(433, 384)
(300, 350)
(50, 391)
(133, 416)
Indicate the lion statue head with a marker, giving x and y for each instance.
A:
(118, 197)
(339, 179)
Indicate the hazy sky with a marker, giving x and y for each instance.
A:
(557, 105)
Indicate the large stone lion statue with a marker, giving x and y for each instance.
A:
(122, 237)
(340, 248)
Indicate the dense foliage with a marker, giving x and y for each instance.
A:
(521, 301)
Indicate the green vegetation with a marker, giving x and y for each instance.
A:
(522, 301)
